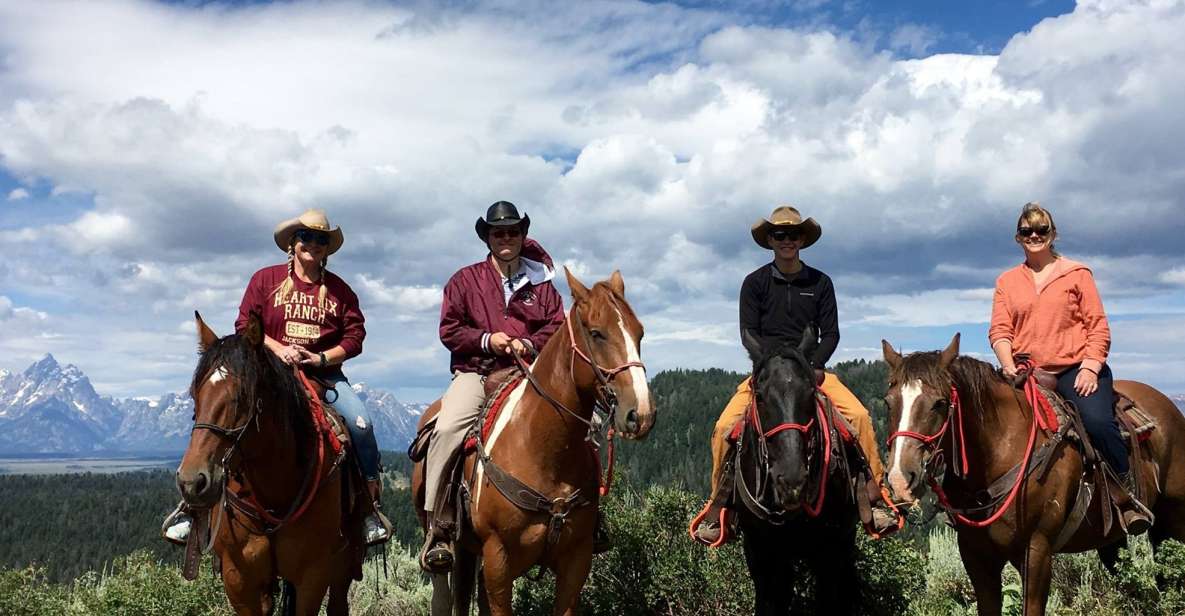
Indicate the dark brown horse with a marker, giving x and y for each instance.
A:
(951, 408)
(594, 359)
(258, 466)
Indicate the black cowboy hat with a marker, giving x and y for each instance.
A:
(501, 214)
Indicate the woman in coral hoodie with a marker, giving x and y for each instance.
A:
(1049, 308)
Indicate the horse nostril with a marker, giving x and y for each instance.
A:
(912, 480)
(631, 419)
(200, 484)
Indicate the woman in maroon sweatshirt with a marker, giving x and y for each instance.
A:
(311, 318)
(501, 304)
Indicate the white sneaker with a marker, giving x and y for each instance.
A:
(179, 531)
(375, 531)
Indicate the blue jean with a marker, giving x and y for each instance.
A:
(1098, 416)
(353, 411)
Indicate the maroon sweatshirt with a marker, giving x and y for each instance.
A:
(300, 318)
(474, 307)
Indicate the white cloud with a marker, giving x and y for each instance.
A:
(639, 136)
(18, 194)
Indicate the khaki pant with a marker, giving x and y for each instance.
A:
(459, 408)
(844, 400)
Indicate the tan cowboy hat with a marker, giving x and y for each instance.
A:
(311, 219)
(786, 217)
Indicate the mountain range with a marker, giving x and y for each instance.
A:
(52, 408)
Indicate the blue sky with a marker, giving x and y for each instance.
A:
(143, 167)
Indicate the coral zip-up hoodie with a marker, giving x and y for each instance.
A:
(475, 306)
(1060, 324)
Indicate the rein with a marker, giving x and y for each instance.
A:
(310, 485)
(823, 425)
(931, 443)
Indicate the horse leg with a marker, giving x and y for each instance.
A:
(339, 590)
(496, 573)
(247, 595)
(1109, 555)
(483, 599)
(570, 574)
(984, 567)
(463, 580)
(442, 596)
(310, 592)
(1036, 573)
(837, 583)
(766, 590)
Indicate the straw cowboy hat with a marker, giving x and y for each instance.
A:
(501, 214)
(786, 217)
(311, 219)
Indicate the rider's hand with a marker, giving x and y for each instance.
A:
(290, 354)
(500, 343)
(518, 348)
(309, 358)
(1086, 383)
(1009, 371)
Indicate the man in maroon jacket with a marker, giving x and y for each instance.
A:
(502, 304)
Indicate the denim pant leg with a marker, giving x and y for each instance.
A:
(1098, 416)
(357, 419)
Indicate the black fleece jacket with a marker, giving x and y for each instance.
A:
(776, 308)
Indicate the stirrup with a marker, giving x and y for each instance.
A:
(376, 529)
(436, 556)
(708, 531)
(176, 526)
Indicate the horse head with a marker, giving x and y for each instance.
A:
(225, 406)
(919, 401)
(605, 329)
(784, 401)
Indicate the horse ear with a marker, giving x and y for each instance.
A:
(752, 345)
(951, 352)
(579, 291)
(617, 283)
(206, 336)
(892, 357)
(810, 339)
(254, 330)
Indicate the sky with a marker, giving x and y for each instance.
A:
(148, 149)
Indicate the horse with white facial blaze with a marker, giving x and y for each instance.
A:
(542, 443)
(962, 412)
(261, 471)
(792, 506)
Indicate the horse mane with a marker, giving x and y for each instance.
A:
(974, 379)
(786, 350)
(259, 375)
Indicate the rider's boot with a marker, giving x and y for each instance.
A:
(376, 526)
(601, 540)
(175, 528)
(436, 556)
(1137, 518)
(885, 519)
(708, 530)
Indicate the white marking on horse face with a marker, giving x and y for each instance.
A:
(637, 374)
(217, 375)
(909, 395)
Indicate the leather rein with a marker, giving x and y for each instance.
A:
(752, 497)
(248, 505)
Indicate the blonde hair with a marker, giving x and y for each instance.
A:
(1034, 214)
(285, 288)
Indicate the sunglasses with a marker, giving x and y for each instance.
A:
(782, 235)
(306, 236)
(502, 234)
(1041, 231)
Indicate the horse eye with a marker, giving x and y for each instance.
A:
(941, 405)
(596, 334)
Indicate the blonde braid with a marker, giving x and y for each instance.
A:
(285, 288)
(324, 273)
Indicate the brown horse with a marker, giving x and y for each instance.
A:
(542, 442)
(955, 409)
(272, 493)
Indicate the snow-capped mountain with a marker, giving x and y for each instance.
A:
(51, 408)
(1179, 400)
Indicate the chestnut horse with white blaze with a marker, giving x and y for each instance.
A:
(542, 441)
(961, 411)
(261, 471)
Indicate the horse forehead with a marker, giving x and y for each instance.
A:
(910, 391)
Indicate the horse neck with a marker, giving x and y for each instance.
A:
(995, 436)
(553, 431)
(267, 458)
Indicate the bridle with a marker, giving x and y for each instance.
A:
(605, 400)
(752, 497)
(930, 443)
